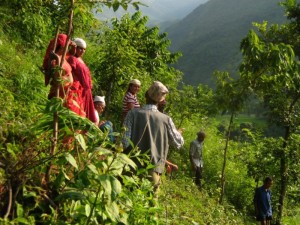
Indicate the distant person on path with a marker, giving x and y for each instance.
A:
(196, 150)
(104, 125)
(149, 129)
(262, 202)
(82, 74)
(130, 100)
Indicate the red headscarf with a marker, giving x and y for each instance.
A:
(61, 42)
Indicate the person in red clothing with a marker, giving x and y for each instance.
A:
(82, 74)
(61, 79)
(52, 61)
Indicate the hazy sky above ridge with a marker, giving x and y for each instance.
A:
(159, 10)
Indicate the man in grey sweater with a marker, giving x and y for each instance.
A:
(149, 129)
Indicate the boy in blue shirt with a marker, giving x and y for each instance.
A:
(262, 202)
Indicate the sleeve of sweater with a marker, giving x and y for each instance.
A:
(175, 137)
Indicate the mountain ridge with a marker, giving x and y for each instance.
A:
(209, 37)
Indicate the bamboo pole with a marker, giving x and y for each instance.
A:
(55, 114)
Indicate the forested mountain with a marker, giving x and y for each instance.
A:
(210, 36)
(160, 12)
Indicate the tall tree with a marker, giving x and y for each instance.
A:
(272, 71)
(131, 49)
(34, 21)
(191, 102)
(229, 97)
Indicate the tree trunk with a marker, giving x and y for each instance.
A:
(225, 159)
(55, 114)
(283, 176)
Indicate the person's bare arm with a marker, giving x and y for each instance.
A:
(172, 165)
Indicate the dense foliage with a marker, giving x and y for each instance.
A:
(91, 181)
(127, 50)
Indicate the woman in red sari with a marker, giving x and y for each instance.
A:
(61, 79)
(82, 74)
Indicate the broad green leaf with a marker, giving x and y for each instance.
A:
(126, 160)
(124, 6)
(21, 220)
(124, 218)
(93, 168)
(71, 160)
(115, 6)
(116, 187)
(65, 175)
(112, 210)
(81, 141)
(103, 151)
(116, 168)
(106, 184)
(87, 210)
(27, 193)
(20, 211)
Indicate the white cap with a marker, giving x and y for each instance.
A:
(80, 42)
(136, 82)
(99, 99)
(157, 91)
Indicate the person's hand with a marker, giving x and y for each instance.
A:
(169, 169)
(102, 122)
(72, 44)
(175, 167)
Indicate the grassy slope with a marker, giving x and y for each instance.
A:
(183, 203)
(180, 200)
(178, 195)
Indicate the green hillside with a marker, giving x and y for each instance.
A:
(57, 167)
(209, 37)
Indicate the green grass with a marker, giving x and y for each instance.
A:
(244, 118)
(184, 204)
(293, 218)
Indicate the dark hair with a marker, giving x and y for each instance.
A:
(58, 47)
(267, 179)
(201, 134)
